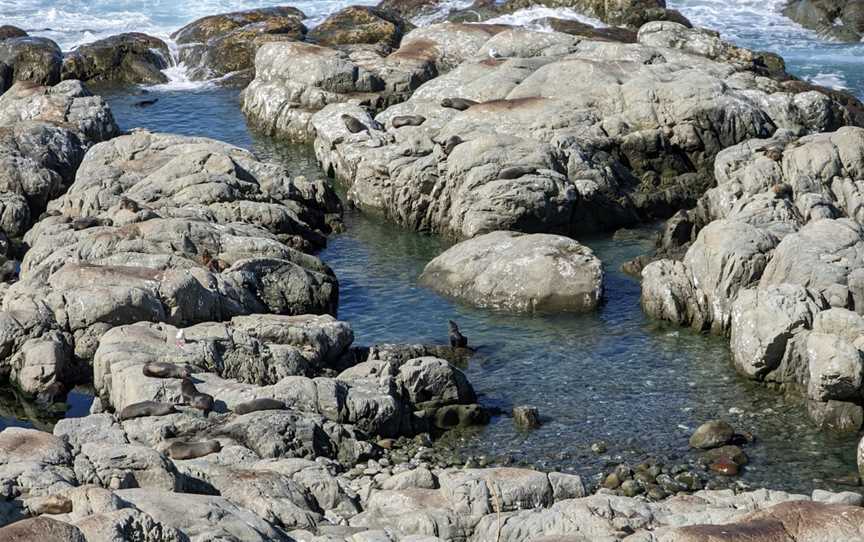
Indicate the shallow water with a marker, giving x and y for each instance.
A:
(613, 375)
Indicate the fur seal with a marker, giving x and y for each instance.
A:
(354, 126)
(459, 104)
(782, 190)
(451, 144)
(191, 450)
(514, 172)
(146, 408)
(457, 340)
(85, 222)
(259, 404)
(129, 204)
(407, 120)
(214, 265)
(146, 103)
(161, 369)
(194, 398)
(52, 504)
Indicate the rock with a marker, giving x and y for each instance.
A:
(627, 13)
(839, 416)
(630, 488)
(711, 434)
(434, 381)
(47, 132)
(834, 19)
(848, 498)
(835, 367)
(42, 530)
(526, 417)
(8, 31)
(132, 58)
(724, 466)
(518, 272)
(578, 28)
(729, 452)
(361, 24)
(225, 44)
(599, 447)
(29, 59)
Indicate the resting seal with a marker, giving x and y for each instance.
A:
(407, 120)
(194, 398)
(146, 103)
(457, 340)
(515, 172)
(451, 144)
(161, 369)
(191, 450)
(459, 104)
(52, 504)
(354, 126)
(146, 408)
(86, 222)
(259, 404)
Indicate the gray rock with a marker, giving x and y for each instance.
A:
(132, 58)
(711, 434)
(41, 529)
(29, 59)
(834, 19)
(519, 272)
(526, 417)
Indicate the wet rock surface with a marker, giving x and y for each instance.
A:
(132, 58)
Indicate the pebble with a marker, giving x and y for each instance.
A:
(599, 447)
(724, 466)
(526, 417)
(612, 481)
(630, 488)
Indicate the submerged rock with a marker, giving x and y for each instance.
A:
(712, 434)
(519, 272)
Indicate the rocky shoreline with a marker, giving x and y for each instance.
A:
(178, 274)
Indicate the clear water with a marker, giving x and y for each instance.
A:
(612, 376)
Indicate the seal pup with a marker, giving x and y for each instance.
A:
(259, 404)
(146, 408)
(457, 340)
(162, 369)
(459, 104)
(353, 125)
(192, 450)
(514, 172)
(407, 120)
(451, 144)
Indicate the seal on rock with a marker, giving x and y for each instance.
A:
(214, 265)
(52, 504)
(354, 126)
(146, 408)
(161, 369)
(407, 120)
(459, 104)
(86, 222)
(259, 404)
(514, 172)
(129, 204)
(451, 144)
(191, 450)
(457, 340)
(194, 398)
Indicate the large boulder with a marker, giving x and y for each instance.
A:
(361, 24)
(519, 272)
(626, 13)
(132, 58)
(29, 59)
(219, 45)
(835, 19)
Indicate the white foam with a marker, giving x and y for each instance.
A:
(830, 80)
(527, 17)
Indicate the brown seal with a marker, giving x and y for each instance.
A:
(514, 172)
(782, 191)
(451, 144)
(259, 404)
(354, 126)
(161, 369)
(407, 120)
(146, 408)
(191, 450)
(85, 222)
(52, 504)
(457, 340)
(459, 104)
(129, 204)
(194, 398)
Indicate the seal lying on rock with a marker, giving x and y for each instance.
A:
(451, 144)
(407, 120)
(161, 369)
(86, 222)
(459, 104)
(52, 504)
(259, 404)
(191, 450)
(146, 408)
(515, 172)
(194, 398)
(354, 126)
(457, 340)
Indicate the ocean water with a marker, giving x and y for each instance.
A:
(614, 375)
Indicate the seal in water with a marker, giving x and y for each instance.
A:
(146, 103)
(459, 104)
(259, 404)
(515, 172)
(407, 120)
(161, 369)
(451, 144)
(146, 408)
(191, 450)
(354, 126)
(457, 340)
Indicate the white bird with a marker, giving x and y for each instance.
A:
(180, 339)
(493, 53)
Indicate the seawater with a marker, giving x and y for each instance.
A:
(614, 375)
